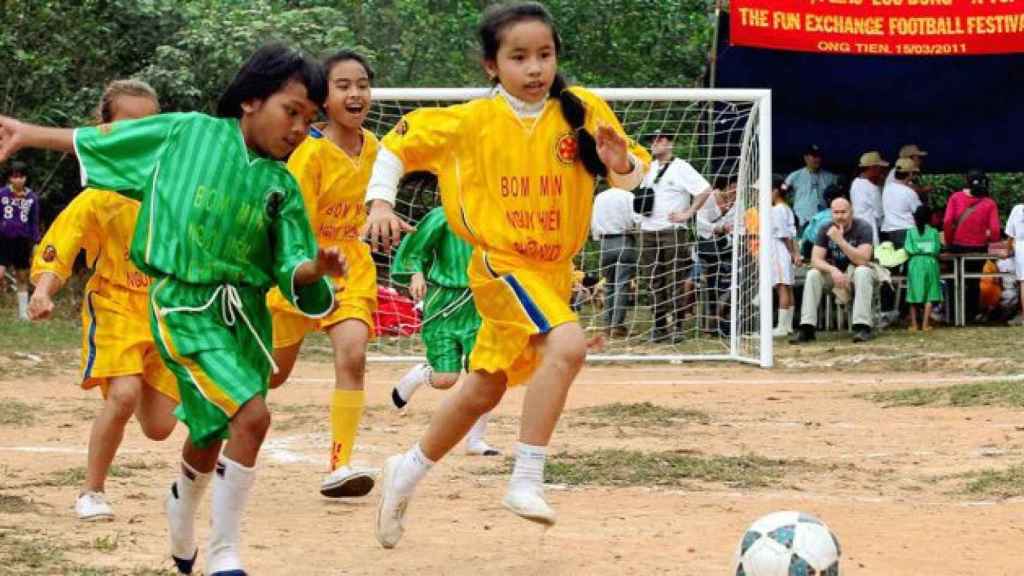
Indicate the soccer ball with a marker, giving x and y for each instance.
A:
(787, 544)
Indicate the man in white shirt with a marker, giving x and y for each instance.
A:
(899, 201)
(866, 191)
(614, 223)
(665, 244)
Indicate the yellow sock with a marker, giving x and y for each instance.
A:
(346, 411)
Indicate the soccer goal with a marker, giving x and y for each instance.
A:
(720, 310)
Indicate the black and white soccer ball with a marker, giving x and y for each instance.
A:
(787, 544)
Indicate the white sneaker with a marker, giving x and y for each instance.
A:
(348, 482)
(391, 507)
(481, 448)
(781, 332)
(93, 507)
(528, 502)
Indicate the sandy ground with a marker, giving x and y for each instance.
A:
(883, 478)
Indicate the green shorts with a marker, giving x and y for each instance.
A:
(451, 323)
(215, 356)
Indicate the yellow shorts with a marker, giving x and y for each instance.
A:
(516, 302)
(357, 300)
(117, 341)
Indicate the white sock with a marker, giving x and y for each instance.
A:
(413, 379)
(411, 470)
(529, 467)
(186, 493)
(785, 319)
(231, 488)
(23, 305)
(478, 431)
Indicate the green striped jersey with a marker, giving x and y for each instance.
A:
(213, 212)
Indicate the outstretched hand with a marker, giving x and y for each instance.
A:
(612, 149)
(12, 137)
(384, 229)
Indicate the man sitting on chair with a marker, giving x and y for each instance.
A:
(840, 260)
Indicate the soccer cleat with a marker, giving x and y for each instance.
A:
(391, 507)
(93, 507)
(185, 566)
(347, 482)
(413, 379)
(781, 332)
(481, 448)
(528, 502)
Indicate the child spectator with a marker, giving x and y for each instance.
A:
(784, 257)
(19, 230)
(923, 283)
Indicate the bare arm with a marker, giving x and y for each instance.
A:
(16, 135)
(329, 262)
(819, 263)
(858, 255)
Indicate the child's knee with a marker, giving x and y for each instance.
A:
(123, 400)
(568, 347)
(158, 430)
(351, 361)
(443, 380)
(252, 420)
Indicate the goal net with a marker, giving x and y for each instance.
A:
(700, 298)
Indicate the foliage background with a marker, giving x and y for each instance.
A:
(57, 55)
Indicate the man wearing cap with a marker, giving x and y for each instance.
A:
(899, 200)
(808, 185)
(866, 191)
(665, 245)
(915, 153)
(840, 260)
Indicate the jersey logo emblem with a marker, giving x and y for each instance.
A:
(105, 128)
(275, 198)
(49, 253)
(566, 148)
(402, 127)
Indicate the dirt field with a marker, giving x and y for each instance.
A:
(659, 488)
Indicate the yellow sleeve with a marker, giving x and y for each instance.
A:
(304, 164)
(75, 228)
(598, 112)
(423, 137)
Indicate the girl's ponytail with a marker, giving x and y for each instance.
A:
(575, 113)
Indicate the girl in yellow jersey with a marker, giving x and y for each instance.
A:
(517, 173)
(333, 167)
(118, 353)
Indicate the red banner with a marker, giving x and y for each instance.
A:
(880, 27)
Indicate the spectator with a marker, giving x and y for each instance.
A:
(970, 224)
(1015, 233)
(665, 250)
(808, 185)
(715, 222)
(784, 257)
(923, 283)
(824, 216)
(840, 259)
(613, 224)
(19, 230)
(866, 191)
(899, 201)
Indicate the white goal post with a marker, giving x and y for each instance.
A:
(722, 313)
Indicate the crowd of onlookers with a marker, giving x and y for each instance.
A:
(879, 245)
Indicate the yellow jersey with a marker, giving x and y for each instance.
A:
(333, 186)
(513, 187)
(102, 223)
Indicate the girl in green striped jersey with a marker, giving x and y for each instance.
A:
(221, 221)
